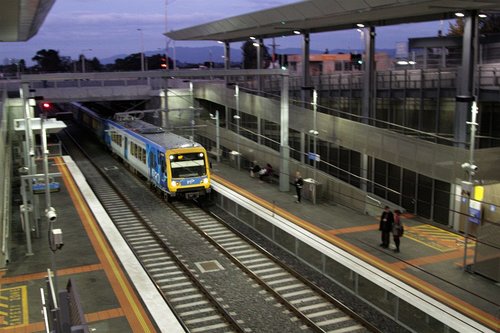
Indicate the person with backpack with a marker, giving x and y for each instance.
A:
(397, 229)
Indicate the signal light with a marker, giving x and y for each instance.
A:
(46, 105)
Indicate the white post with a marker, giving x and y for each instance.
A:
(142, 49)
(471, 170)
(217, 135)
(237, 95)
(315, 129)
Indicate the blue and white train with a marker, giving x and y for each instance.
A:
(179, 167)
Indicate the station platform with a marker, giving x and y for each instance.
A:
(430, 257)
(92, 257)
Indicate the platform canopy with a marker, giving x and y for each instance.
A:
(328, 15)
(21, 19)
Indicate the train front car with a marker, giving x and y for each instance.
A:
(188, 172)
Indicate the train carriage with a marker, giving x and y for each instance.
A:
(177, 166)
(174, 164)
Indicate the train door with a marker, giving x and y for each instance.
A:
(163, 172)
(125, 148)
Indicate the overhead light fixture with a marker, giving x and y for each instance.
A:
(483, 15)
(220, 42)
(256, 44)
(252, 37)
(459, 14)
(297, 32)
(360, 25)
(402, 62)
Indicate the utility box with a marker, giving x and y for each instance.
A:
(311, 190)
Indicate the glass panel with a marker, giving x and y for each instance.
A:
(264, 227)
(377, 295)
(229, 206)
(424, 196)
(284, 239)
(341, 274)
(245, 215)
(441, 202)
(417, 319)
(309, 254)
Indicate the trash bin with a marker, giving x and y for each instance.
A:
(311, 190)
(234, 158)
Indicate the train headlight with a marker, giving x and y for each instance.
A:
(205, 180)
(173, 183)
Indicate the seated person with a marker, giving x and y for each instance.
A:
(266, 172)
(255, 169)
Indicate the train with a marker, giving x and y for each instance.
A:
(175, 165)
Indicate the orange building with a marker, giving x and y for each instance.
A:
(324, 64)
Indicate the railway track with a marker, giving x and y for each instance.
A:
(308, 302)
(179, 285)
(239, 288)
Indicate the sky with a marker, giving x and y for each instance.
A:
(105, 28)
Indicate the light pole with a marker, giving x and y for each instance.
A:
(142, 49)
(314, 132)
(470, 168)
(237, 117)
(82, 55)
(217, 134)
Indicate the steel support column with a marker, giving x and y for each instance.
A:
(227, 56)
(368, 103)
(465, 84)
(284, 148)
(306, 75)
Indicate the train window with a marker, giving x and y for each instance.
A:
(162, 163)
(188, 165)
(116, 138)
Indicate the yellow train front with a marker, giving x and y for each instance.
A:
(188, 171)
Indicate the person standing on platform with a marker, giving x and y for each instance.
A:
(299, 183)
(386, 222)
(397, 229)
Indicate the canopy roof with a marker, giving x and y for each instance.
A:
(328, 15)
(21, 19)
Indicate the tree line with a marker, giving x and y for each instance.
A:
(50, 61)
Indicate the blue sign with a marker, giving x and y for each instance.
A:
(313, 157)
(475, 212)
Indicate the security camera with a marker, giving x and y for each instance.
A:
(51, 215)
(469, 167)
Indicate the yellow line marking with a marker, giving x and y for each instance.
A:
(422, 285)
(111, 260)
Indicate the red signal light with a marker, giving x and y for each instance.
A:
(46, 105)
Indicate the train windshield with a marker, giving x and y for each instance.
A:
(188, 165)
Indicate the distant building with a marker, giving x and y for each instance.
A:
(324, 64)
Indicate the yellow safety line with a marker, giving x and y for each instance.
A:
(453, 301)
(111, 260)
(24, 293)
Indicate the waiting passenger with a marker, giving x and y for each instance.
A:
(255, 169)
(266, 172)
(397, 229)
